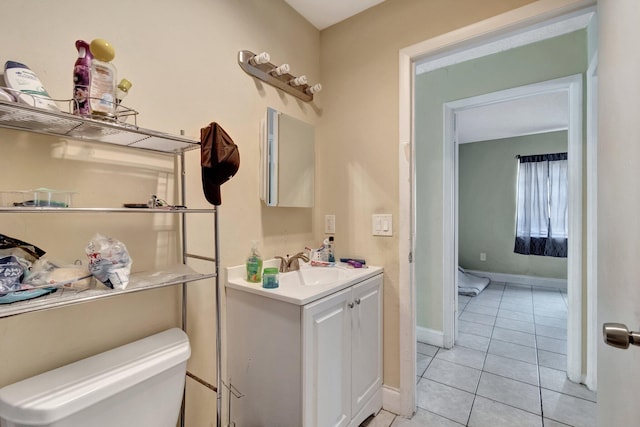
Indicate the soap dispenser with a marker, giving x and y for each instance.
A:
(254, 264)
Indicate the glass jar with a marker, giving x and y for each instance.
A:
(270, 278)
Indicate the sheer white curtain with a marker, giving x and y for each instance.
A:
(542, 214)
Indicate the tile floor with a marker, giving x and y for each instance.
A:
(507, 368)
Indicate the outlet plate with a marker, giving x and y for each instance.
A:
(483, 256)
(330, 224)
(382, 225)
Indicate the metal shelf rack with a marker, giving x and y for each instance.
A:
(57, 123)
(31, 119)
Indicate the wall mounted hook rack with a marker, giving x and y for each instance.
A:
(266, 71)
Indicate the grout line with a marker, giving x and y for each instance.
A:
(491, 337)
(475, 394)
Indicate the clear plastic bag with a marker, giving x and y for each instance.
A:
(109, 261)
(11, 274)
(45, 273)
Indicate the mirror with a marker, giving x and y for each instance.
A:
(287, 161)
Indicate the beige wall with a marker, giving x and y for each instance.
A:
(181, 58)
(358, 132)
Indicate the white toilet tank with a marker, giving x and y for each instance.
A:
(137, 385)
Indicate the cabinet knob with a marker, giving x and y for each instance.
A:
(350, 305)
(358, 301)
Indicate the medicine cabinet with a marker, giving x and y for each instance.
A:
(287, 161)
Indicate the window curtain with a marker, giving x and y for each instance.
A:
(542, 205)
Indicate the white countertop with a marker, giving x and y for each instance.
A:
(295, 293)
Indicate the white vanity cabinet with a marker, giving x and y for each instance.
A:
(342, 355)
(312, 365)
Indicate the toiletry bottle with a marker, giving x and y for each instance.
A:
(82, 79)
(325, 250)
(254, 264)
(27, 87)
(122, 113)
(102, 92)
(332, 256)
(122, 90)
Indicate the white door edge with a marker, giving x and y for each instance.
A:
(593, 334)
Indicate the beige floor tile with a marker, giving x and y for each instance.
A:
(423, 418)
(489, 413)
(451, 374)
(510, 392)
(568, 409)
(445, 401)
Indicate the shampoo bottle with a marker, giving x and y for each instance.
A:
(28, 87)
(102, 92)
(82, 79)
(254, 264)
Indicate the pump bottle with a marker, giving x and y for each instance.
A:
(254, 264)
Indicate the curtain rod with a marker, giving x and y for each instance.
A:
(517, 156)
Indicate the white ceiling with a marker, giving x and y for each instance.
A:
(524, 116)
(325, 13)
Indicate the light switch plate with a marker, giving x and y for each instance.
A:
(330, 224)
(382, 225)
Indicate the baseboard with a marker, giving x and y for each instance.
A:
(391, 399)
(371, 407)
(430, 336)
(519, 279)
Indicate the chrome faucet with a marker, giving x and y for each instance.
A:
(291, 263)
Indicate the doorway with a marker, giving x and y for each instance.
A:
(567, 90)
(408, 121)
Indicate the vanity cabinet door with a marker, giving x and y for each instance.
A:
(366, 342)
(326, 361)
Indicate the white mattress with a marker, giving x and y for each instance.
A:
(469, 284)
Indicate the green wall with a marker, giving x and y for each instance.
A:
(546, 60)
(487, 177)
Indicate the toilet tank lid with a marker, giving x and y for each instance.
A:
(56, 394)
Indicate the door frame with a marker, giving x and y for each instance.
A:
(572, 85)
(440, 48)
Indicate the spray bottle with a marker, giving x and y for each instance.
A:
(82, 79)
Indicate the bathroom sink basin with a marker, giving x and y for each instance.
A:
(303, 286)
(315, 276)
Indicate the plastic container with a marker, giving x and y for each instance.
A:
(39, 197)
(102, 92)
(45, 197)
(270, 278)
